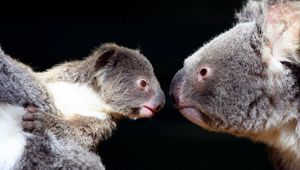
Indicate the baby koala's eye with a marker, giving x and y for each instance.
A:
(143, 83)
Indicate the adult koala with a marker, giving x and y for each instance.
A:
(20, 90)
(246, 81)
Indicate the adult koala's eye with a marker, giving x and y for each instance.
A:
(142, 84)
(204, 73)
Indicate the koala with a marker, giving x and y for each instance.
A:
(246, 81)
(95, 93)
(41, 149)
(91, 95)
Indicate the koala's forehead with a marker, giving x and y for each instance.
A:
(132, 61)
(230, 45)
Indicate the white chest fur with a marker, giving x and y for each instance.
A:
(12, 137)
(72, 99)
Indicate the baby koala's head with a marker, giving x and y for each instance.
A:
(126, 82)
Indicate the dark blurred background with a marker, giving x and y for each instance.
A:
(44, 33)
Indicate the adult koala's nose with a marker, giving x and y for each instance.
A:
(176, 86)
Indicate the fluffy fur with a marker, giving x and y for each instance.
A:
(252, 88)
(40, 149)
(12, 139)
(100, 90)
(87, 97)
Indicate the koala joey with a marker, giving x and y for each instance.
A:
(89, 96)
(94, 93)
(246, 81)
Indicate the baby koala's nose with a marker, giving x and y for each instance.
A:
(204, 73)
(154, 105)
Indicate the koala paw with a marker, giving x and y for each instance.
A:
(32, 120)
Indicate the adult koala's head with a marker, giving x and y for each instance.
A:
(245, 80)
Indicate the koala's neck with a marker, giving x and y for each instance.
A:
(72, 86)
(77, 99)
(87, 119)
(285, 144)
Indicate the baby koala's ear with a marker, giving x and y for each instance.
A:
(106, 54)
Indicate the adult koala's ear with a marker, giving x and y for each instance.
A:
(106, 54)
(277, 34)
(250, 12)
(280, 32)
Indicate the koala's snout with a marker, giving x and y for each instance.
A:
(153, 105)
(176, 86)
(159, 101)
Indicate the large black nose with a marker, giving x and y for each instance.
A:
(176, 85)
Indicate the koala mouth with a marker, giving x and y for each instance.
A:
(146, 112)
(194, 115)
(143, 111)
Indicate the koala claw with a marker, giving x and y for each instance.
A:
(32, 120)
(31, 109)
(30, 126)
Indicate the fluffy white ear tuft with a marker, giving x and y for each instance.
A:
(281, 31)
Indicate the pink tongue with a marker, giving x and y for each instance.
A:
(145, 112)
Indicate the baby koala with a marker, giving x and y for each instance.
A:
(94, 93)
(85, 99)
(246, 81)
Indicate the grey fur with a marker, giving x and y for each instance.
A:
(250, 91)
(47, 152)
(249, 12)
(15, 78)
(19, 87)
